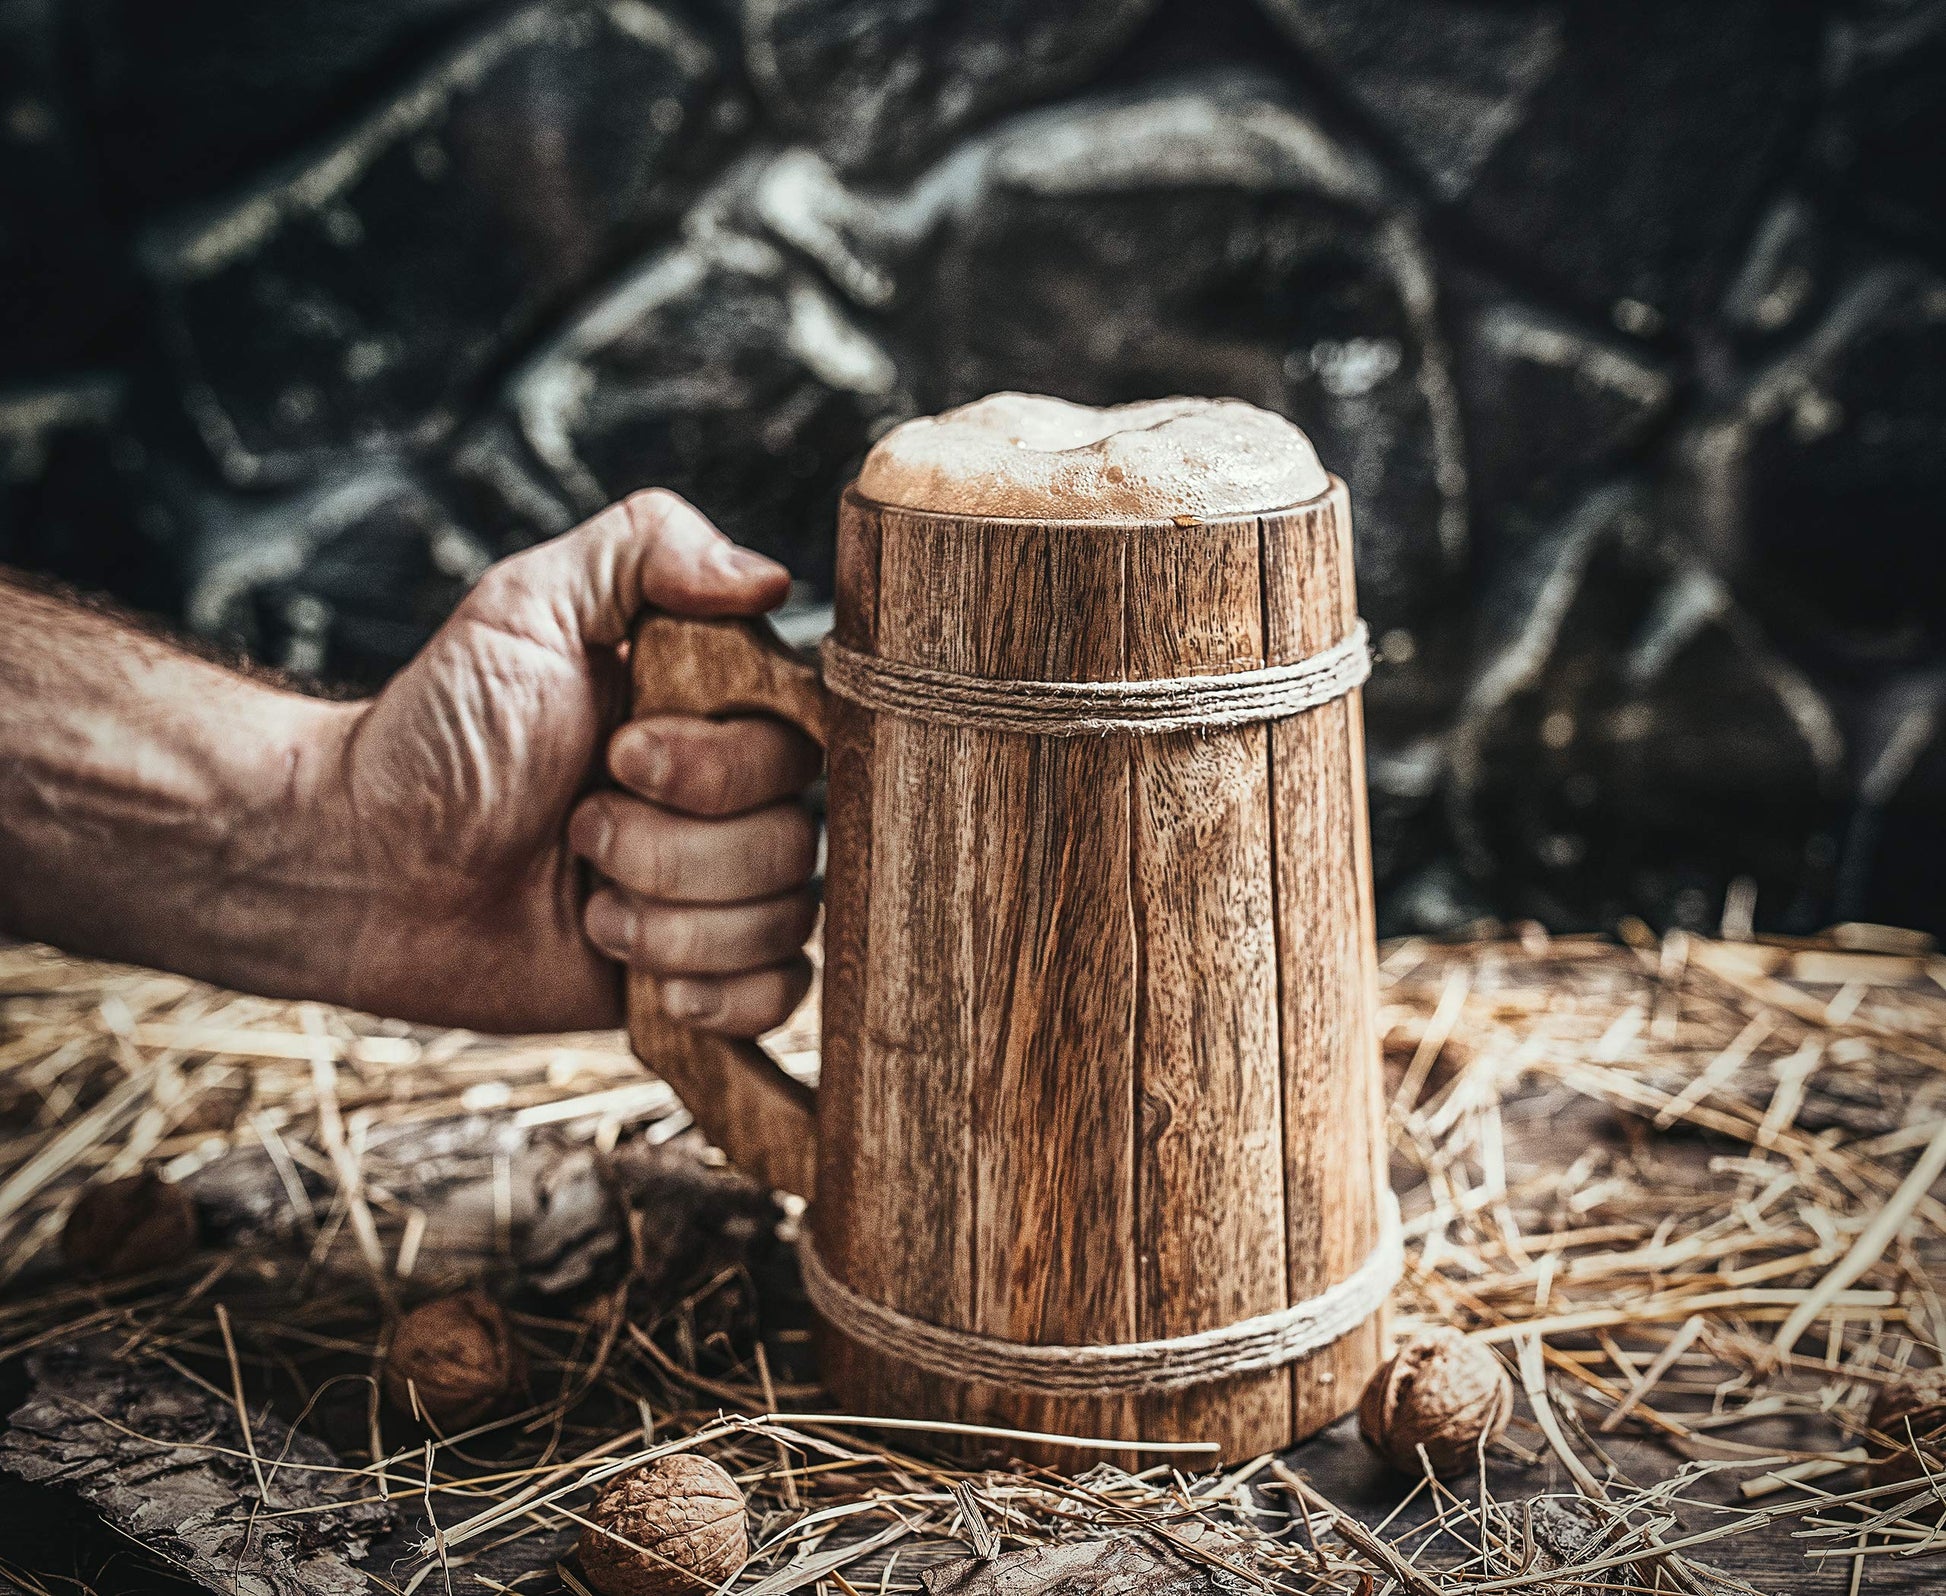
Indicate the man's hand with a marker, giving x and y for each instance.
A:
(472, 788)
(476, 846)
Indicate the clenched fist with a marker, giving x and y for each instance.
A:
(485, 843)
(494, 782)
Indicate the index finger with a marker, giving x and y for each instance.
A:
(713, 767)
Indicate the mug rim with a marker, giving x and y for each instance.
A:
(1333, 484)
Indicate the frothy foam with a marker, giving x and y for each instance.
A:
(1028, 457)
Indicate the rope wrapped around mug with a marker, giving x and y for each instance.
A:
(1082, 709)
(1076, 709)
(1268, 1341)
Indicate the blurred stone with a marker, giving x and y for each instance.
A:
(1893, 866)
(879, 84)
(68, 505)
(722, 371)
(1403, 780)
(35, 424)
(1784, 275)
(63, 288)
(1630, 743)
(1549, 406)
(1448, 79)
(1618, 149)
(1818, 478)
(1878, 147)
(343, 582)
(1438, 900)
(1210, 239)
(357, 301)
(188, 96)
(502, 490)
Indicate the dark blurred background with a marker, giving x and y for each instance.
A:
(1626, 323)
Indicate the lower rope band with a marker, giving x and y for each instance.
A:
(1268, 1341)
(1079, 709)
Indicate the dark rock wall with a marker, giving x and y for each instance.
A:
(1626, 323)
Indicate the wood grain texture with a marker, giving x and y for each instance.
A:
(905, 1238)
(745, 1104)
(1334, 1128)
(1050, 1024)
(1098, 1051)
(1210, 1220)
(850, 789)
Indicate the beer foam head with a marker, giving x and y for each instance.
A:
(1024, 456)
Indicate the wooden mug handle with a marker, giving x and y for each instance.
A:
(739, 1095)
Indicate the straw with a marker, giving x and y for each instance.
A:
(1693, 1182)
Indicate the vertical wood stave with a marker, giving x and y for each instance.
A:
(1334, 1141)
(1041, 913)
(1210, 1158)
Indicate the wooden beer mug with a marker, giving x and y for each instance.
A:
(1098, 1147)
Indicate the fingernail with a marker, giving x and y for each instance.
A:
(746, 564)
(611, 927)
(689, 1000)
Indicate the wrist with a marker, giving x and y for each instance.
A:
(294, 867)
(246, 881)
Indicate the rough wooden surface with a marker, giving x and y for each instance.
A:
(1099, 1057)
(1335, 1144)
(1211, 1136)
(1121, 1566)
(133, 1438)
(748, 1106)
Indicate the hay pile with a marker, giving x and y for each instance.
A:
(1684, 1186)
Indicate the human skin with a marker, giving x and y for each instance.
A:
(478, 845)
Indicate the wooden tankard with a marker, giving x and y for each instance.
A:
(1098, 1062)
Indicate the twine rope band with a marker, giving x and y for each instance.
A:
(1268, 1341)
(1080, 709)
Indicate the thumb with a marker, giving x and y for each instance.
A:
(652, 548)
(690, 568)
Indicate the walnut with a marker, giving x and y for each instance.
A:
(685, 1511)
(1441, 1391)
(123, 1227)
(457, 1354)
(1909, 1410)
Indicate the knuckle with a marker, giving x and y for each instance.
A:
(648, 508)
(641, 856)
(501, 588)
(709, 780)
(666, 939)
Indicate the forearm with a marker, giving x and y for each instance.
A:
(158, 808)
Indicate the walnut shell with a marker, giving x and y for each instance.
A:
(458, 1355)
(122, 1227)
(683, 1509)
(1442, 1391)
(1918, 1401)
